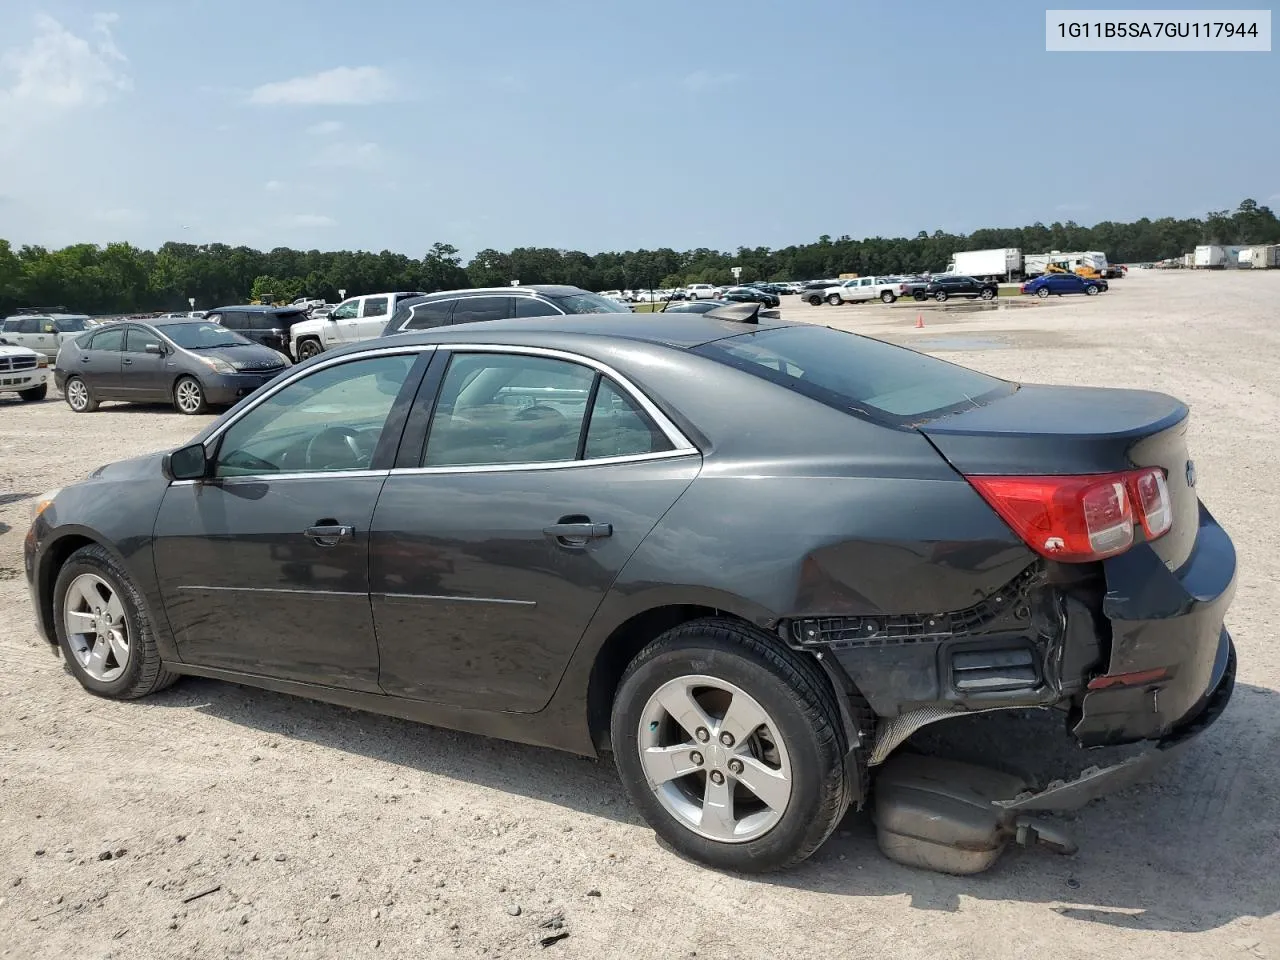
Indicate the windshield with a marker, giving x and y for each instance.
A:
(202, 336)
(858, 374)
(590, 303)
(71, 324)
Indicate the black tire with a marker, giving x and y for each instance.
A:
(79, 402)
(35, 393)
(802, 708)
(1091, 290)
(988, 294)
(190, 386)
(887, 296)
(941, 296)
(834, 300)
(143, 674)
(815, 300)
(1042, 292)
(920, 296)
(309, 348)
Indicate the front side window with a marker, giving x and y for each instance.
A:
(346, 311)
(137, 339)
(329, 420)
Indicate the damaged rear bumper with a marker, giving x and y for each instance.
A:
(1095, 782)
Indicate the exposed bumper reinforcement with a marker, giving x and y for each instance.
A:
(1095, 782)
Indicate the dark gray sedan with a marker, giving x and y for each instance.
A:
(193, 364)
(748, 558)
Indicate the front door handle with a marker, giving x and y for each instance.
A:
(578, 533)
(329, 536)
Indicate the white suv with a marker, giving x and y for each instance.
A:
(701, 291)
(356, 318)
(44, 332)
(23, 371)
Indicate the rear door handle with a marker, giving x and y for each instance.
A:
(127, 361)
(581, 532)
(329, 536)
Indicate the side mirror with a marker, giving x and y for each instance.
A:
(187, 463)
(155, 348)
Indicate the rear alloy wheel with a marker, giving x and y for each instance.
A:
(79, 399)
(308, 349)
(188, 396)
(731, 746)
(834, 299)
(987, 294)
(887, 296)
(35, 393)
(1042, 292)
(815, 301)
(103, 628)
(1091, 290)
(941, 296)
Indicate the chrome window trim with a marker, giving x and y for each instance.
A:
(295, 475)
(445, 599)
(543, 464)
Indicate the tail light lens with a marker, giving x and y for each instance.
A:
(1078, 519)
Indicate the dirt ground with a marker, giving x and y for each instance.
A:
(323, 832)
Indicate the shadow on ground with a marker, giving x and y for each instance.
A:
(1192, 851)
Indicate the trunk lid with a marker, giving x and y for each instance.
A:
(1058, 431)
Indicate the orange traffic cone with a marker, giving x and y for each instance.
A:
(919, 321)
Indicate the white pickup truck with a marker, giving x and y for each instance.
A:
(356, 318)
(863, 289)
(23, 371)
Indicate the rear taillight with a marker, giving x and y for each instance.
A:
(1078, 519)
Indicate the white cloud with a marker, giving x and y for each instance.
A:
(363, 156)
(325, 128)
(339, 86)
(119, 215)
(59, 70)
(273, 185)
(705, 79)
(309, 220)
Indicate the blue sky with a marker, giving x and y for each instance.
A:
(598, 124)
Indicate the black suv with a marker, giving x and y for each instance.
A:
(450, 307)
(268, 326)
(943, 288)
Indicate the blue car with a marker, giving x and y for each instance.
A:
(1061, 283)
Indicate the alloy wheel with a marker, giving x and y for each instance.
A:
(714, 759)
(77, 395)
(188, 396)
(97, 631)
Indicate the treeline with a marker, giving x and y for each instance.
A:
(121, 278)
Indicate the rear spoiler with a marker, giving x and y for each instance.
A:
(736, 313)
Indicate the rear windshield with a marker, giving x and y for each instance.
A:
(590, 303)
(857, 374)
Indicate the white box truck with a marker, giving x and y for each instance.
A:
(1217, 256)
(1004, 263)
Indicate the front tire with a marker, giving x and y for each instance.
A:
(834, 300)
(815, 301)
(1091, 291)
(188, 396)
(987, 294)
(103, 628)
(35, 393)
(732, 747)
(1042, 292)
(308, 349)
(887, 296)
(941, 296)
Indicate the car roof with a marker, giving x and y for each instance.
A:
(255, 308)
(546, 289)
(680, 330)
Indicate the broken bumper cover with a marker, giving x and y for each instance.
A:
(1095, 782)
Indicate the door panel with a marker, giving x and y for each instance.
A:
(100, 364)
(144, 375)
(245, 589)
(475, 605)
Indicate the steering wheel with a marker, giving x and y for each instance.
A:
(328, 449)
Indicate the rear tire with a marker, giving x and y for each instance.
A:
(815, 300)
(786, 730)
(887, 297)
(79, 397)
(35, 393)
(987, 294)
(940, 296)
(99, 579)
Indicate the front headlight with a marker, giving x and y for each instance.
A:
(219, 365)
(42, 362)
(42, 503)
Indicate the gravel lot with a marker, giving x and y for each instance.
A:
(331, 833)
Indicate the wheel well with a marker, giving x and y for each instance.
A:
(55, 557)
(620, 649)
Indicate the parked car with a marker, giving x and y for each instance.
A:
(700, 291)
(356, 318)
(706, 306)
(193, 364)
(449, 307)
(865, 289)
(944, 288)
(814, 292)
(1063, 283)
(23, 371)
(751, 295)
(560, 532)
(269, 326)
(44, 332)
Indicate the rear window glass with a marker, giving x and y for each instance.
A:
(590, 303)
(857, 374)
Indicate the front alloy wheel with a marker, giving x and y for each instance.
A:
(97, 632)
(188, 396)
